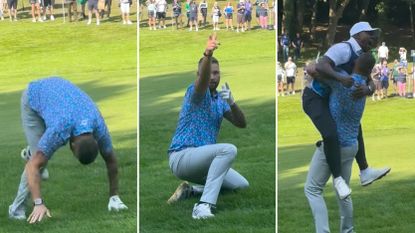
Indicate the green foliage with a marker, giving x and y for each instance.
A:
(380, 8)
(101, 61)
(168, 63)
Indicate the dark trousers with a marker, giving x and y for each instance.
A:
(204, 14)
(297, 53)
(317, 108)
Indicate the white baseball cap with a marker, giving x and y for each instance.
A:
(361, 27)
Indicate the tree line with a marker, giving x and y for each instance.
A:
(304, 15)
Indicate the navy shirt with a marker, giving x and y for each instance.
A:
(285, 40)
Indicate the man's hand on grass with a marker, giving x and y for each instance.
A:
(39, 212)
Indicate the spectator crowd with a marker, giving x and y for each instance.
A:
(43, 10)
(397, 74)
(199, 14)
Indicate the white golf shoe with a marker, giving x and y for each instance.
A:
(342, 188)
(369, 175)
(202, 211)
(115, 204)
(25, 154)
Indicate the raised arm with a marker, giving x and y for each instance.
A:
(203, 74)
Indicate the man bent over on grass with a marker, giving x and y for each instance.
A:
(54, 111)
(194, 154)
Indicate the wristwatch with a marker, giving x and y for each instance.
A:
(370, 90)
(38, 201)
(207, 55)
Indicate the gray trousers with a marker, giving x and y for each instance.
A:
(210, 166)
(34, 127)
(317, 177)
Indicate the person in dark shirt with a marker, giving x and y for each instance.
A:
(297, 43)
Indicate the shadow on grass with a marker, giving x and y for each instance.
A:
(156, 93)
(96, 91)
(291, 157)
(154, 89)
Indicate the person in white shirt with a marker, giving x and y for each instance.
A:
(1, 9)
(151, 7)
(215, 16)
(383, 52)
(161, 8)
(280, 79)
(125, 11)
(402, 57)
(290, 72)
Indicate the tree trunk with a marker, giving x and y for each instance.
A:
(313, 22)
(289, 13)
(363, 11)
(335, 13)
(412, 20)
(283, 17)
(300, 15)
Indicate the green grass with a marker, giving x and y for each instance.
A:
(168, 62)
(386, 205)
(102, 61)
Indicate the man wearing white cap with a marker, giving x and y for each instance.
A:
(340, 56)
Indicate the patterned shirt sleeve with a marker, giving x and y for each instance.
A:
(50, 141)
(103, 137)
(194, 97)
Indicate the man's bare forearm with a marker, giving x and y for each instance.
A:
(112, 170)
(33, 173)
(202, 82)
(326, 71)
(236, 116)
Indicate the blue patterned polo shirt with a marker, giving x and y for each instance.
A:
(346, 111)
(199, 120)
(67, 111)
